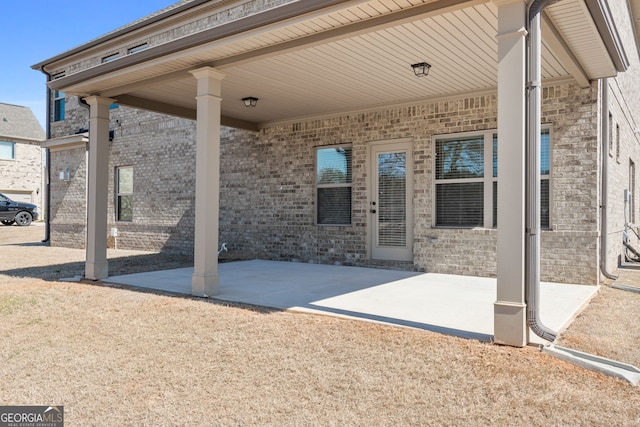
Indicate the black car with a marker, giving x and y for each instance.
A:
(20, 213)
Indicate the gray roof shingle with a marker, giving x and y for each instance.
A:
(19, 122)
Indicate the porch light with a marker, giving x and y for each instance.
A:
(250, 101)
(421, 69)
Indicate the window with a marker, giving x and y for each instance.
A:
(464, 187)
(618, 143)
(612, 128)
(632, 192)
(7, 150)
(333, 185)
(124, 193)
(614, 138)
(545, 174)
(110, 58)
(460, 181)
(58, 106)
(137, 48)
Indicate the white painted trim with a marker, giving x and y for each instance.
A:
(66, 142)
(391, 254)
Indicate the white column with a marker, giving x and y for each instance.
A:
(96, 266)
(205, 280)
(510, 324)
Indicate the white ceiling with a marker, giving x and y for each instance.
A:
(340, 70)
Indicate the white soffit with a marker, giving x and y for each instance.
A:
(356, 70)
(574, 22)
(363, 70)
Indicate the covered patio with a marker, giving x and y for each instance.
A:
(452, 305)
(308, 59)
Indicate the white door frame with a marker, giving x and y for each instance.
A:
(375, 251)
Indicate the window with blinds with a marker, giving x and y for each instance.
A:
(462, 181)
(392, 199)
(333, 185)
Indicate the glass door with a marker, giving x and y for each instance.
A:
(391, 202)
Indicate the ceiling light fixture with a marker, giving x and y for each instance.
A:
(421, 69)
(250, 101)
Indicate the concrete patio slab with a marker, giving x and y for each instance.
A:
(449, 304)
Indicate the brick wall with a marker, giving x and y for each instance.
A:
(219, 13)
(624, 107)
(267, 186)
(68, 209)
(161, 150)
(624, 150)
(163, 180)
(285, 229)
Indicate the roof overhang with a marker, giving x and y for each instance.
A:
(66, 142)
(315, 57)
(634, 10)
(606, 27)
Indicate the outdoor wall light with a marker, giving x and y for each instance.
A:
(65, 175)
(421, 69)
(250, 101)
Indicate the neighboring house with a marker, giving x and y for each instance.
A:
(21, 163)
(348, 157)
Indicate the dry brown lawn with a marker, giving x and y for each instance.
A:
(116, 357)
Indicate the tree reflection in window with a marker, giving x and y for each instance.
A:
(460, 158)
(333, 180)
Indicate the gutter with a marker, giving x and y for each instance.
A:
(251, 22)
(606, 27)
(604, 183)
(532, 257)
(47, 200)
(120, 32)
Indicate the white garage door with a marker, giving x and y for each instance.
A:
(18, 197)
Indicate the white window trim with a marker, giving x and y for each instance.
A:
(57, 98)
(488, 179)
(118, 193)
(317, 186)
(618, 143)
(632, 191)
(13, 150)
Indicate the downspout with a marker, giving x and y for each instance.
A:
(83, 103)
(604, 186)
(47, 199)
(534, 79)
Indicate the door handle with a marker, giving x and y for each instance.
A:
(373, 211)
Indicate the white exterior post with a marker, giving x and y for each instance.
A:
(205, 280)
(96, 266)
(510, 323)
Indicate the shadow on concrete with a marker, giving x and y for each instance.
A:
(118, 265)
(453, 305)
